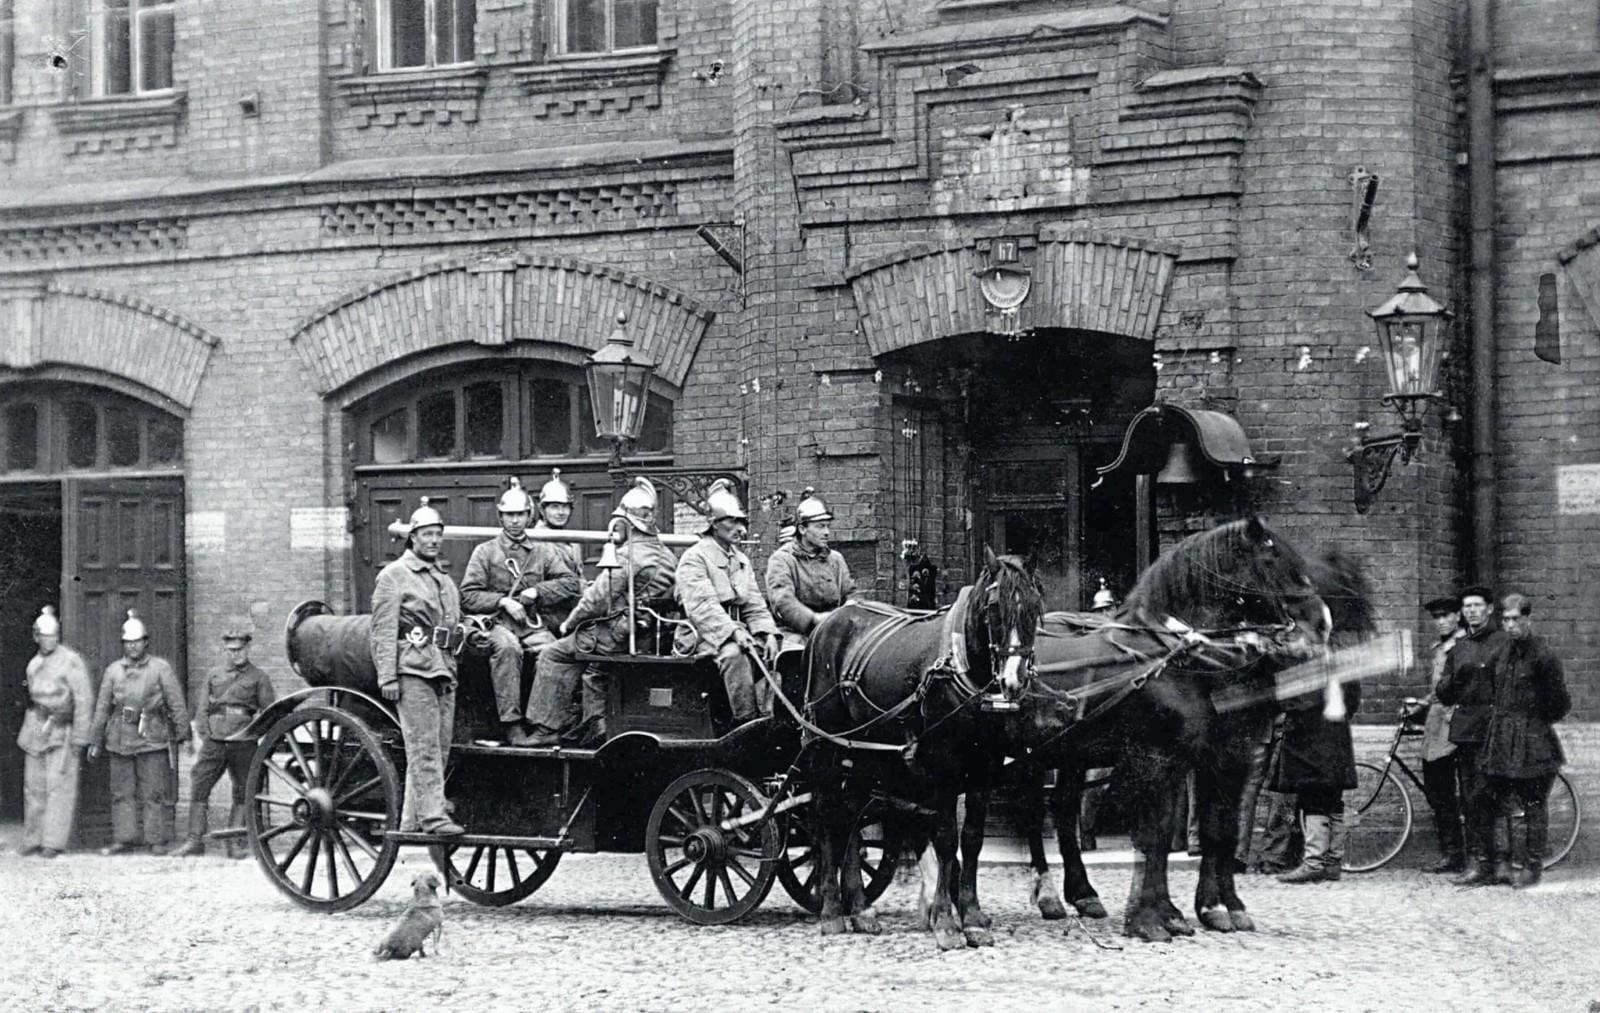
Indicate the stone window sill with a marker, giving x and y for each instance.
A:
(123, 112)
(596, 84)
(433, 93)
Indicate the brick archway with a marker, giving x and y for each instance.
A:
(1082, 280)
(497, 303)
(102, 337)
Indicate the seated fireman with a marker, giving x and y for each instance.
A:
(805, 578)
(727, 614)
(599, 625)
(527, 586)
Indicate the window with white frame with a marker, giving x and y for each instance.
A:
(131, 46)
(604, 26)
(425, 33)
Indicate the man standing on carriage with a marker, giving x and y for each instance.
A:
(599, 624)
(727, 613)
(416, 632)
(526, 587)
(805, 578)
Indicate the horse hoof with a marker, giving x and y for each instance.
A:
(1242, 922)
(976, 919)
(866, 923)
(1052, 909)
(1089, 907)
(1146, 929)
(832, 926)
(978, 936)
(949, 937)
(1178, 926)
(1216, 919)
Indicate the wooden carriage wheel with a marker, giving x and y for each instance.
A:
(323, 794)
(494, 875)
(798, 870)
(710, 863)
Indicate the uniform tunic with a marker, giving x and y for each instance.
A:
(413, 594)
(139, 714)
(228, 701)
(801, 584)
(55, 727)
(489, 578)
(717, 586)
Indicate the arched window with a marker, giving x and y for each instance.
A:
(533, 413)
(53, 428)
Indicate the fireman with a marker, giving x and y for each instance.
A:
(805, 578)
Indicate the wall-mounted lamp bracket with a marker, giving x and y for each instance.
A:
(1374, 457)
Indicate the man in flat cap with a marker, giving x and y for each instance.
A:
(1438, 752)
(1467, 684)
(229, 700)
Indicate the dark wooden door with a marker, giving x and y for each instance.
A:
(122, 548)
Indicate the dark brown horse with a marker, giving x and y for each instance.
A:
(1344, 589)
(1239, 575)
(894, 704)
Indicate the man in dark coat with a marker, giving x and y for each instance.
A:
(1521, 753)
(1468, 685)
(1316, 761)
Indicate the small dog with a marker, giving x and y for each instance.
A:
(423, 917)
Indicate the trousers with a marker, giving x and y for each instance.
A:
(1478, 805)
(506, 649)
(1531, 793)
(427, 722)
(215, 757)
(738, 679)
(142, 797)
(50, 797)
(1439, 784)
(556, 681)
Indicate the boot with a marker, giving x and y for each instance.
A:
(1503, 872)
(514, 734)
(237, 847)
(1449, 863)
(189, 847)
(1480, 872)
(1333, 860)
(1314, 868)
(1538, 834)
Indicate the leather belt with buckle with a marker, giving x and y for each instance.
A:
(130, 715)
(231, 708)
(448, 638)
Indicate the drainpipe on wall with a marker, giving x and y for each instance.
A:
(1481, 279)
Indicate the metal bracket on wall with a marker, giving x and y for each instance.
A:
(1363, 194)
(1373, 458)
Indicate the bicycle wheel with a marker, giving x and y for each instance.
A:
(1565, 815)
(1377, 819)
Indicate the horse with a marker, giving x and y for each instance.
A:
(894, 704)
(1150, 714)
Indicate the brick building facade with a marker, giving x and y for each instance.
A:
(315, 236)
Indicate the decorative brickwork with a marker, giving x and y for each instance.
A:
(415, 97)
(120, 124)
(592, 86)
(32, 245)
(103, 332)
(495, 301)
(585, 205)
(1080, 280)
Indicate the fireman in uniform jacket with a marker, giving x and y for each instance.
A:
(727, 614)
(528, 587)
(416, 631)
(228, 701)
(805, 578)
(1468, 685)
(599, 625)
(136, 720)
(555, 510)
(1521, 753)
(54, 728)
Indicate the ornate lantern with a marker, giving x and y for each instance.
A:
(619, 387)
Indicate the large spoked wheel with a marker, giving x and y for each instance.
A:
(491, 874)
(710, 860)
(798, 871)
(1565, 815)
(1377, 819)
(324, 793)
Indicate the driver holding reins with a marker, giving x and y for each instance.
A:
(728, 616)
(805, 578)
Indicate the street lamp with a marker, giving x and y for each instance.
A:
(1411, 330)
(619, 387)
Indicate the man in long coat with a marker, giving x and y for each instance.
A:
(727, 613)
(55, 728)
(1468, 685)
(599, 624)
(416, 630)
(528, 587)
(1521, 753)
(1438, 752)
(805, 578)
(139, 714)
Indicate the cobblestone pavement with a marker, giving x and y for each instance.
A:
(138, 932)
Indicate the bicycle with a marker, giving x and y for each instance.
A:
(1379, 812)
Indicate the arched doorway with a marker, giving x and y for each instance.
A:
(91, 519)
(455, 434)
